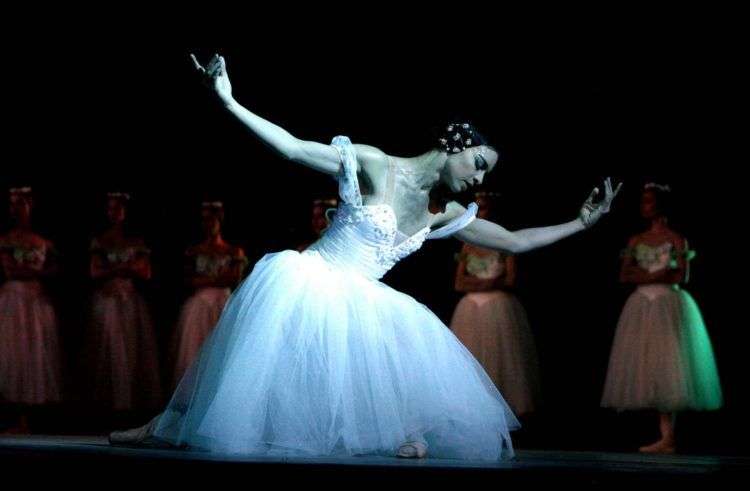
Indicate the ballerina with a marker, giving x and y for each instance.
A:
(661, 356)
(491, 322)
(213, 268)
(30, 365)
(313, 355)
(124, 352)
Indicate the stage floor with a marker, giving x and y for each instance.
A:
(75, 458)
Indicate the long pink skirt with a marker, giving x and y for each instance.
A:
(29, 346)
(494, 327)
(199, 315)
(126, 368)
(661, 356)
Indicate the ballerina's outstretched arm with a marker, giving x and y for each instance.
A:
(323, 158)
(484, 233)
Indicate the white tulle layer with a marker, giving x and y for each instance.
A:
(314, 360)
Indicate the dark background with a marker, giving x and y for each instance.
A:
(84, 119)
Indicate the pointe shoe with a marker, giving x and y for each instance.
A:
(662, 447)
(412, 450)
(143, 436)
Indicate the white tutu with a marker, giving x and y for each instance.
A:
(661, 356)
(310, 358)
(314, 356)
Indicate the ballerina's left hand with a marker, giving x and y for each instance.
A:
(591, 212)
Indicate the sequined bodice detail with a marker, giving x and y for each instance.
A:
(486, 266)
(364, 238)
(31, 257)
(653, 258)
(212, 264)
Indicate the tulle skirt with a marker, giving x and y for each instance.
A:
(661, 356)
(125, 357)
(494, 327)
(29, 346)
(308, 359)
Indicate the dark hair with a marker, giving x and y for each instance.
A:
(214, 208)
(457, 137)
(122, 197)
(24, 192)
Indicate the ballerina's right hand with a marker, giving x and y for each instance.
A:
(215, 77)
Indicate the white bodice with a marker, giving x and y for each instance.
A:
(120, 254)
(32, 257)
(487, 266)
(365, 238)
(212, 264)
(653, 258)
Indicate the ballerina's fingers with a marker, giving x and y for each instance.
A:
(610, 194)
(590, 200)
(213, 72)
(216, 66)
(197, 65)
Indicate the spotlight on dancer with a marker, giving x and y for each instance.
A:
(314, 355)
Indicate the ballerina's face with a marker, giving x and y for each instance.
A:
(468, 168)
(20, 208)
(115, 211)
(649, 205)
(211, 221)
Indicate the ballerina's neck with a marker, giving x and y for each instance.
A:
(214, 239)
(659, 224)
(116, 231)
(23, 225)
(21, 231)
(422, 171)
